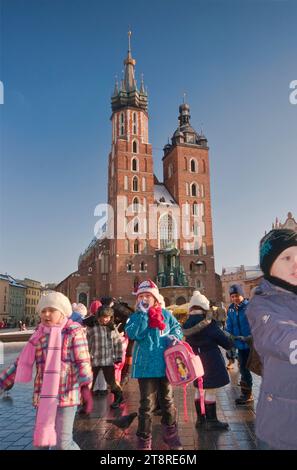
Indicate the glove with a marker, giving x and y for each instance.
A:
(87, 399)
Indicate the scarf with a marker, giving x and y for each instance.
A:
(156, 319)
(44, 433)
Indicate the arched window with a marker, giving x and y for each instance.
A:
(135, 184)
(136, 247)
(170, 170)
(134, 146)
(135, 204)
(194, 190)
(134, 123)
(134, 164)
(142, 266)
(122, 124)
(195, 208)
(166, 231)
(136, 226)
(126, 183)
(193, 166)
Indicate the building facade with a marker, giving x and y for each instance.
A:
(4, 298)
(33, 292)
(157, 230)
(247, 277)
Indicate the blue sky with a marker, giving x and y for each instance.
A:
(235, 61)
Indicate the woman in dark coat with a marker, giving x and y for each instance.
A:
(205, 337)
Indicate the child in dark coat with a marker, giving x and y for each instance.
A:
(205, 337)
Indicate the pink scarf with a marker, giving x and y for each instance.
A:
(44, 433)
(156, 319)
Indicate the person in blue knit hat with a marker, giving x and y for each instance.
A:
(272, 314)
(153, 328)
(238, 326)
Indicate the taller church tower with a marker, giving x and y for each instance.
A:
(130, 184)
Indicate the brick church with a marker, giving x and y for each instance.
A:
(157, 230)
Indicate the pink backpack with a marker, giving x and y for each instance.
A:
(182, 368)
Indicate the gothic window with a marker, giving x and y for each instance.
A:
(166, 230)
(195, 208)
(170, 170)
(135, 204)
(194, 190)
(126, 183)
(143, 184)
(122, 124)
(136, 226)
(134, 146)
(142, 266)
(193, 166)
(136, 247)
(134, 123)
(134, 164)
(135, 183)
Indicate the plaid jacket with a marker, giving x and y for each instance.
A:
(105, 346)
(75, 366)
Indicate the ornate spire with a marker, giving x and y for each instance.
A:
(128, 94)
(129, 63)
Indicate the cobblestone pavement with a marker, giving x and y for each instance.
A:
(93, 432)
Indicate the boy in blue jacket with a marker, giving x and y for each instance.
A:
(238, 326)
(151, 327)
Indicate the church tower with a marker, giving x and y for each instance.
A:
(187, 178)
(130, 183)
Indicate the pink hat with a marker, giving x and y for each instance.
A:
(94, 306)
(150, 287)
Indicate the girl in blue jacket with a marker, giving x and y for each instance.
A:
(151, 327)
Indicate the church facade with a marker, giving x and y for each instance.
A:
(157, 230)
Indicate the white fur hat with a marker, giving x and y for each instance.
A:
(80, 308)
(55, 300)
(199, 300)
(150, 287)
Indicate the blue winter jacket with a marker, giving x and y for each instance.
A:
(272, 314)
(150, 344)
(237, 323)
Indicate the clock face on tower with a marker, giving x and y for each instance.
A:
(190, 138)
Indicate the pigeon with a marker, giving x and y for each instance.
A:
(123, 422)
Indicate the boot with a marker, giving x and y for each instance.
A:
(144, 443)
(170, 437)
(212, 422)
(200, 417)
(118, 399)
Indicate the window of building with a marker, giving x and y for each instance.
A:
(195, 208)
(136, 226)
(142, 266)
(134, 123)
(129, 267)
(134, 146)
(166, 231)
(143, 184)
(122, 124)
(134, 164)
(136, 247)
(194, 190)
(135, 183)
(135, 204)
(193, 166)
